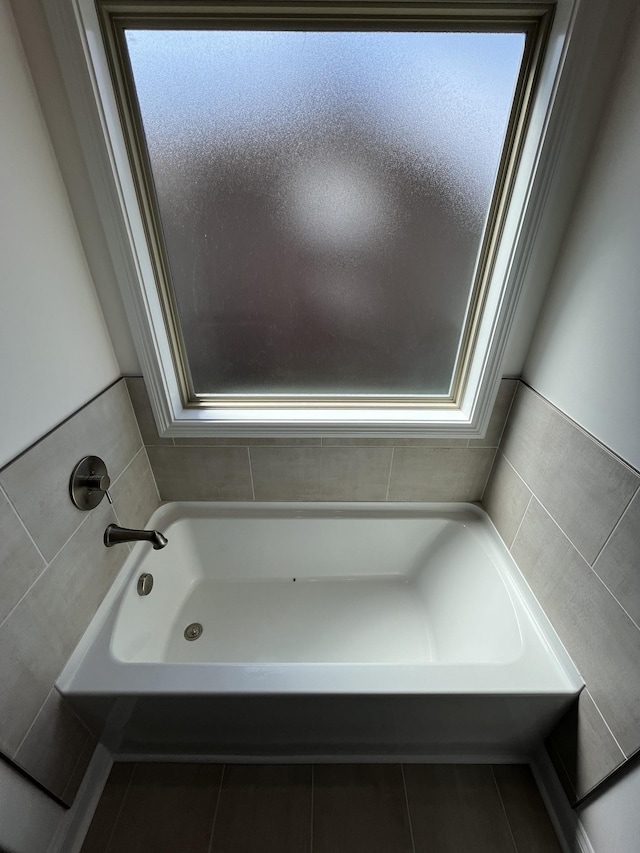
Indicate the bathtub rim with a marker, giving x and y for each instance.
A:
(134, 678)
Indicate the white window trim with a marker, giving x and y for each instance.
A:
(76, 31)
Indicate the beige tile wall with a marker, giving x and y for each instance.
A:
(320, 469)
(54, 573)
(569, 510)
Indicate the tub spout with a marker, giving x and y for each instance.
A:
(115, 534)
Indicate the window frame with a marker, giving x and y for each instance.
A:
(138, 260)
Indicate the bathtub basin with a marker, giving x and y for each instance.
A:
(327, 630)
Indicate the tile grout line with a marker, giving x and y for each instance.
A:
(490, 475)
(153, 476)
(515, 471)
(124, 799)
(508, 413)
(595, 704)
(504, 810)
(215, 811)
(413, 444)
(133, 408)
(515, 535)
(393, 453)
(33, 722)
(253, 489)
(127, 466)
(496, 451)
(24, 595)
(406, 801)
(117, 517)
(153, 473)
(590, 567)
(542, 504)
(26, 529)
(616, 525)
(615, 598)
(248, 443)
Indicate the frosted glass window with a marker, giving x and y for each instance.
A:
(323, 198)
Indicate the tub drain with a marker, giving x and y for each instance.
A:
(193, 631)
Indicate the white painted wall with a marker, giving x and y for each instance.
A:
(31, 822)
(29, 819)
(612, 820)
(55, 351)
(34, 33)
(585, 355)
(600, 32)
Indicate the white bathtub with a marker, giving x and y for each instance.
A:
(328, 629)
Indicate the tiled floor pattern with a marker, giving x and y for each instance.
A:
(324, 808)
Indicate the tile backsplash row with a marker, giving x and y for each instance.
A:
(569, 511)
(320, 469)
(54, 573)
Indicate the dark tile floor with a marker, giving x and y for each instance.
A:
(324, 808)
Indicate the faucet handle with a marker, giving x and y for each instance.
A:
(89, 483)
(99, 483)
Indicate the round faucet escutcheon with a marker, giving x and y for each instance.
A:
(89, 483)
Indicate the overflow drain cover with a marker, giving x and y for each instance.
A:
(193, 631)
